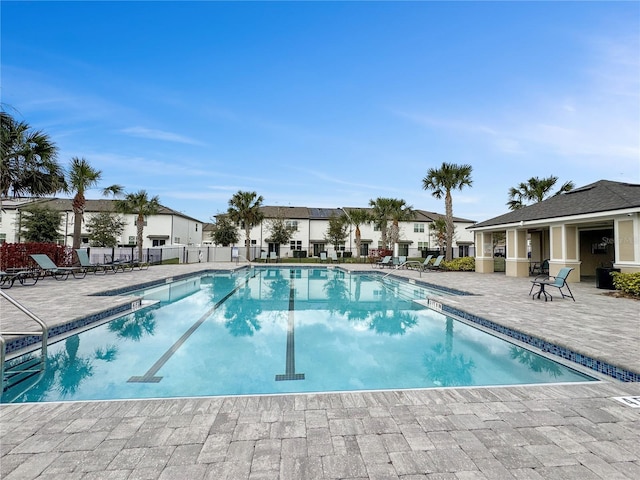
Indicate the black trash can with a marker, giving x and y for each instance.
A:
(604, 279)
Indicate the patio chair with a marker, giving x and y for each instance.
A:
(559, 282)
(333, 256)
(416, 265)
(263, 257)
(47, 267)
(273, 256)
(436, 264)
(385, 262)
(540, 268)
(95, 268)
(23, 277)
(323, 257)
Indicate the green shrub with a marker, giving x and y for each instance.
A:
(627, 282)
(462, 264)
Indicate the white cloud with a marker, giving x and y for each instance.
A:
(143, 132)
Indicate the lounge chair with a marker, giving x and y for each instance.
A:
(416, 265)
(95, 268)
(23, 277)
(559, 282)
(436, 263)
(273, 256)
(385, 262)
(47, 267)
(120, 264)
(399, 262)
(323, 257)
(263, 257)
(333, 256)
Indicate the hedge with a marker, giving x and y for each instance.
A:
(462, 264)
(16, 255)
(628, 283)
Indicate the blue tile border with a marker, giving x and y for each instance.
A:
(547, 347)
(24, 342)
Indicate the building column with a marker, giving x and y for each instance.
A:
(565, 245)
(484, 252)
(627, 243)
(517, 260)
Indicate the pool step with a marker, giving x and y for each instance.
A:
(20, 372)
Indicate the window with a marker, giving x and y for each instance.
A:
(295, 245)
(158, 243)
(293, 224)
(132, 240)
(135, 222)
(423, 245)
(376, 227)
(176, 239)
(418, 227)
(253, 242)
(196, 227)
(3, 238)
(339, 247)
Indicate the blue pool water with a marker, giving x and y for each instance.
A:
(282, 330)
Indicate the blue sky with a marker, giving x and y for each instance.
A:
(329, 104)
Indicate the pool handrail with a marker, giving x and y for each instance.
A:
(44, 333)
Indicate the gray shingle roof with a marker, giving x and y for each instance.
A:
(601, 196)
(91, 206)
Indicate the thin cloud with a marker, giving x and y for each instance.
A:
(142, 132)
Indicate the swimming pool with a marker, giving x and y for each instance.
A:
(282, 330)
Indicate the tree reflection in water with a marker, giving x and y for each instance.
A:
(66, 370)
(337, 292)
(135, 325)
(392, 318)
(241, 313)
(443, 367)
(535, 362)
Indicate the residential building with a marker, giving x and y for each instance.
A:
(311, 225)
(588, 228)
(167, 227)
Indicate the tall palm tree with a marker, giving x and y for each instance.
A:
(400, 212)
(441, 181)
(535, 190)
(80, 178)
(357, 217)
(28, 160)
(141, 205)
(381, 210)
(244, 207)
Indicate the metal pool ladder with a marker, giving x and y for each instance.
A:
(44, 333)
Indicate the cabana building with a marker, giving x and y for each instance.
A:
(592, 227)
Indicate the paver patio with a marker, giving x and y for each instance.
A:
(551, 431)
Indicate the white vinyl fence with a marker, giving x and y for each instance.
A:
(158, 255)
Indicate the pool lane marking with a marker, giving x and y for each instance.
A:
(290, 368)
(150, 376)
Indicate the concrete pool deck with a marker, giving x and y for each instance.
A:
(550, 431)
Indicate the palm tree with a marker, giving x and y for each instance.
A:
(381, 210)
(535, 190)
(400, 212)
(141, 205)
(80, 178)
(357, 217)
(244, 207)
(442, 180)
(28, 160)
